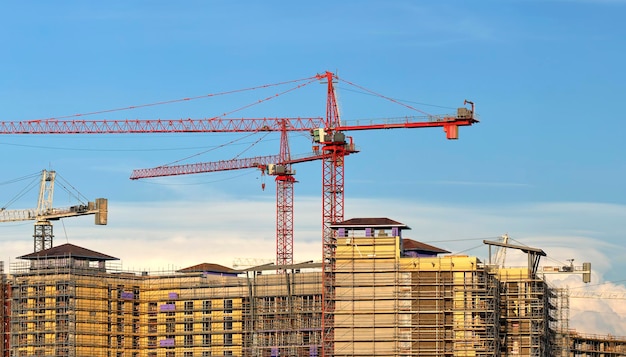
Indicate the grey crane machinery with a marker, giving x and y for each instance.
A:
(534, 254)
(45, 213)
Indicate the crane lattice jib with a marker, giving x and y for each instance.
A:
(259, 162)
(139, 126)
(330, 136)
(49, 215)
(144, 126)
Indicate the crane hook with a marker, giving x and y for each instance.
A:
(262, 168)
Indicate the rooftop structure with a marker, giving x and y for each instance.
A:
(589, 345)
(393, 297)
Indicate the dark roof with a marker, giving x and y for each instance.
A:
(207, 267)
(410, 244)
(380, 222)
(65, 250)
(265, 267)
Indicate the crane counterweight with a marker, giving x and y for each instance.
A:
(331, 146)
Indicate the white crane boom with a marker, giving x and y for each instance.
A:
(52, 214)
(44, 213)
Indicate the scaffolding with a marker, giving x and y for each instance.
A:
(283, 312)
(528, 314)
(454, 308)
(386, 304)
(367, 314)
(562, 343)
(103, 312)
(67, 306)
(60, 311)
(5, 306)
(595, 345)
(389, 305)
(195, 314)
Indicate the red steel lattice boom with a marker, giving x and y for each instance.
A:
(328, 132)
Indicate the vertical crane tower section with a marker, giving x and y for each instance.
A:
(328, 132)
(284, 202)
(43, 234)
(333, 143)
(279, 166)
(334, 146)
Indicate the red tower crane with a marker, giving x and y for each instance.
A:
(328, 132)
(273, 165)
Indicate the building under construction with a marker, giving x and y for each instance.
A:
(392, 296)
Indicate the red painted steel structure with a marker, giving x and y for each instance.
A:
(140, 126)
(284, 184)
(284, 219)
(259, 162)
(333, 151)
(333, 171)
(284, 204)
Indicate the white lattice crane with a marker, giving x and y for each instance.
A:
(500, 256)
(45, 213)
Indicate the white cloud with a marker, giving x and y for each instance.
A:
(596, 308)
(171, 235)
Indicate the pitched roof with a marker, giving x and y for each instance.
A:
(207, 267)
(381, 222)
(410, 244)
(65, 250)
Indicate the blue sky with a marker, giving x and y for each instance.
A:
(545, 164)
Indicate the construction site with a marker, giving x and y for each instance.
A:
(391, 296)
(373, 292)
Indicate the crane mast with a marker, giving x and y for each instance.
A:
(328, 132)
(333, 170)
(43, 233)
(279, 166)
(284, 203)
